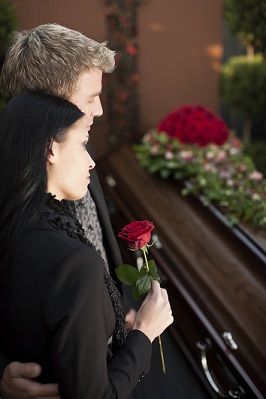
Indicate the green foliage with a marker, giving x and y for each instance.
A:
(153, 270)
(2, 103)
(127, 274)
(257, 151)
(243, 86)
(247, 19)
(224, 175)
(8, 23)
(139, 280)
(143, 284)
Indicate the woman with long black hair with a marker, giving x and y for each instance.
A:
(59, 306)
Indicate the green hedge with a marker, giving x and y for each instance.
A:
(8, 23)
(243, 86)
(247, 19)
(257, 151)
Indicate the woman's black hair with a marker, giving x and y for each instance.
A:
(29, 124)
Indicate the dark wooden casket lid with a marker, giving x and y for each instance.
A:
(224, 280)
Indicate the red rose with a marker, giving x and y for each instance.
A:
(195, 125)
(137, 233)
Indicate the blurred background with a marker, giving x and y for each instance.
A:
(173, 53)
(168, 54)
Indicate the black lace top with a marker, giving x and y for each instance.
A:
(61, 216)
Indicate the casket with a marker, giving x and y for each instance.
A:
(215, 276)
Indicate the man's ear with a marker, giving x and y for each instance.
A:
(53, 153)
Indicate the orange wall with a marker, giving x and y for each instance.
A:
(86, 16)
(179, 56)
(180, 50)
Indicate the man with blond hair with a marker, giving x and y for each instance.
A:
(62, 62)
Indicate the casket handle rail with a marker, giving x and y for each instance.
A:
(236, 393)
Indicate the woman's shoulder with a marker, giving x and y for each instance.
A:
(44, 245)
(42, 237)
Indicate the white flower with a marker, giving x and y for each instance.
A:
(207, 167)
(242, 167)
(155, 149)
(257, 176)
(147, 137)
(210, 155)
(202, 181)
(224, 174)
(221, 156)
(256, 197)
(212, 147)
(210, 168)
(186, 155)
(233, 151)
(169, 155)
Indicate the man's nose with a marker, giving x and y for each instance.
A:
(98, 107)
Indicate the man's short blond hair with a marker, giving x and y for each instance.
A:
(51, 58)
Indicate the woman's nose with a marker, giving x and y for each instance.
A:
(91, 163)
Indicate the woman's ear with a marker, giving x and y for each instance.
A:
(53, 153)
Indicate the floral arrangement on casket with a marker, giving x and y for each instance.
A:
(196, 147)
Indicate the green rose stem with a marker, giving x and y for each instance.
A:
(161, 353)
(144, 250)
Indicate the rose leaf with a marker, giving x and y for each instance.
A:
(135, 293)
(127, 274)
(153, 273)
(143, 284)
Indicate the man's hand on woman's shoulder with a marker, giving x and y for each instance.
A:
(17, 383)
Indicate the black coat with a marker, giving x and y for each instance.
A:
(57, 312)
